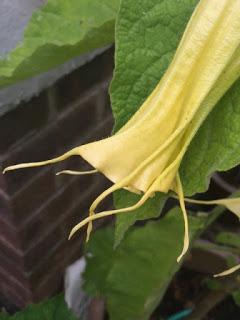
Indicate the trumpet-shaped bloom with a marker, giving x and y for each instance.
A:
(144, 156)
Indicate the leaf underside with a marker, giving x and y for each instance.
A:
(57, 32)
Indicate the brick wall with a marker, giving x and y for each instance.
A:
(38, 208)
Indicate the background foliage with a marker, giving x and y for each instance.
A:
(134, 277)
(57, 32)
(54, 309)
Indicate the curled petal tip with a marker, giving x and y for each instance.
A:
(227, 272)
(62, 172)
(181, 256)
(76, 228)
(87, 238)
(80, 173)
(70, 235)
(8, 169)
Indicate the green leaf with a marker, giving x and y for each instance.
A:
(228, 238)
(216, 145)
(100, 255)
(214, 284)
(147, 35)
(57, 32)
(236, 297)
(150, 209)
(135, 276)
(53, 309)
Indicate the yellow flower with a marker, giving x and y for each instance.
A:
(144, 156)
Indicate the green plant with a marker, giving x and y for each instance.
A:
(53, 309)
(147, 36)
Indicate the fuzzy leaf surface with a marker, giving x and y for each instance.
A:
(147, 35)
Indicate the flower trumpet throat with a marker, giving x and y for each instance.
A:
(144, 156)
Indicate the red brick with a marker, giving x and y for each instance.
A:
(74, 85)
(78, 121)
(12, 294)
(76, 162)
(67, 221)
(13, 282)
(40, 249)
(51, 285)
(5, 209)
(15, 270)
(52, 211)
(24, 120)
(8, 232)
(103, 109)
(41, 146)
(37, 208)
(33, 195)
(48, 265)
(11, 252)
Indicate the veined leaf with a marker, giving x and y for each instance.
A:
(57, 32)
(150, 209)
(53, 309)
(147, 35)
(216, 145)
(135, 275)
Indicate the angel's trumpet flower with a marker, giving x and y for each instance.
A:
(144, 156)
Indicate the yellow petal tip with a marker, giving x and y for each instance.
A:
(227, 272)
(8, 169)
(70, 235)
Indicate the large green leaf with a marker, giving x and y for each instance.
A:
(216, 145)
(147, 35)
(57, 32)
(134, 277)
(100, 256)
(150, 209)
(53, 309)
